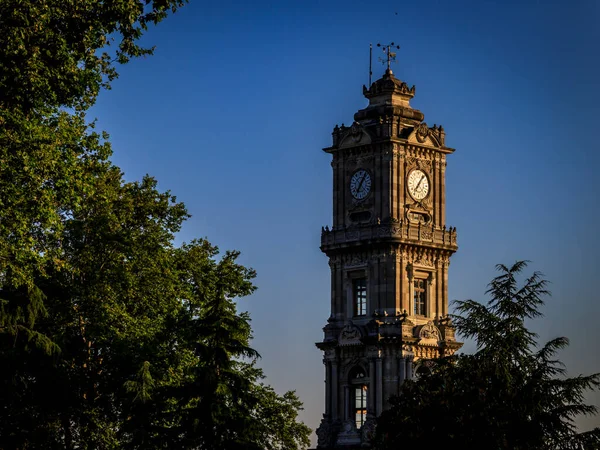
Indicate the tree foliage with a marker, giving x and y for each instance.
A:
(111, 336)
(509, 394)
(54, 58)
(58, 52)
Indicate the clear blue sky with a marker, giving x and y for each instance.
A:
(233, 110)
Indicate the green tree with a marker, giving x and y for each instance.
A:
(509, 394)
(110, 335)
(55, 56)
(224, 405)
(153, 353)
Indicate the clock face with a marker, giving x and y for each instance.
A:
(418, 184)
(360, 184)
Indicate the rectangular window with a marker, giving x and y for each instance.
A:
(420, 299)
(360, 296)
(360, 405)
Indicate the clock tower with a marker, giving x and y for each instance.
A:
(389, 249)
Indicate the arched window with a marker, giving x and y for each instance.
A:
(357, 374)
(358, 396)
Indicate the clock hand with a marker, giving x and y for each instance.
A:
(360, 183)
(419, 183)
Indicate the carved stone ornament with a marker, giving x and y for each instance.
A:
(427, 235)
(355, 132)
(428, 351)
(429, 332)
(407, 328)
(423, 261)
(422, 132)
(373, 351)
(361, 160)
(351, 235)
(383, 231)
(353, 136)
(356, 262)
(329, 354)
(350, 335)
(424, 164)
(350, 364)
(326, 434)
(418, 215)
(407, 351)
(349, 434)
(426, 202)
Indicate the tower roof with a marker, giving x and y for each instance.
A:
(389, 90)
(389, 96)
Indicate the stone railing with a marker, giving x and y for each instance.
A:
(402, 231)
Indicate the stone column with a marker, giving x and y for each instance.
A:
(348, 303)
(379, 392)
(346, 413)
(333, 269)
(443, 191)
(371, 391)
(401, 371)
(327, 389)
(411, 291)
(439, 275)
(409, 368)
(334, 390)
(403, 275)
(445, 289)
(432, 301)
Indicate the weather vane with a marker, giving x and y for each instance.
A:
(388, 49)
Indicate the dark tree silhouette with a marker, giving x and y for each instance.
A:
(509, 394)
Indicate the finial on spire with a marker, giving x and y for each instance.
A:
(391, 55)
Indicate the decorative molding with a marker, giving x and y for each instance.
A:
(350, 364)
(422, 132)
(362, 160)
(427, 235)
(407, 350)
(427, 352)
(431, 136)
(362, 153)
(329, 354)
(423, 153)
(429, 335)
(355, 135)
(373, 351)
(356, 262)
(326, 433)
(350, 335)
(334, 261)
(349, 434)
(424, 261)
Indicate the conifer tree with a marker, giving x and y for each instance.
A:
(509, 394)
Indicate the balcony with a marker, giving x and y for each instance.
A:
(401, 232)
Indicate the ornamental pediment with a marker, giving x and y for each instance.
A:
(354, 136)
(423, 135)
